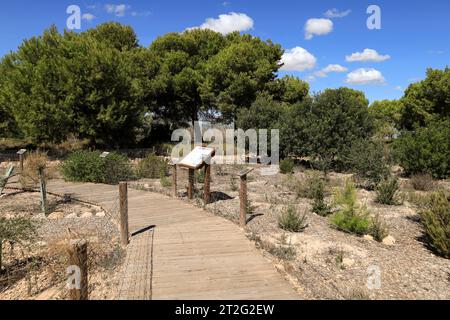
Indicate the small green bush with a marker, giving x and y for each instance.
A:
(318, 194)
(152, 167)
(435, 219)
(312, 187)
(291, 220)
(165, 183)
(88, 166)
(387, 192)
(350, 217)
(378, 229)
(287, 166)
(422, 182)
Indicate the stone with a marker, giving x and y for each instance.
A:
(368, 237)
(347, 262)
(71, 216)
(56, 215)
(101, 214)
(389, 241)
(86, 214)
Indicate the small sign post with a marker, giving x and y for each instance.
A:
(21, 154)
(243, 197)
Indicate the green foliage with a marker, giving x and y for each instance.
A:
(427, 100)
(367, 160)
(426, 150)
(387, 191)
(378, 229)
(422, 182)
(152, 167)
(435, 219)
(287, 166)
(165, 183)
(322, 128)
(57, 84)
(386, 115)
(351, 217)
(291, 220)
(200, 176)
(288, 89)
(88, 166)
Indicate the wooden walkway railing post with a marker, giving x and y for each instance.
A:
(191, 184)
(174, 177)
(123, 199)
(21, 154)
(207, 186)
(243, 197)
(43, 189)
(78, 265)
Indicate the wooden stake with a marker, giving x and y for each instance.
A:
(207, 186)
(123, 199)
(243, 199)
(191, 184)
(78, 257)
(21, 162)
(43, 189)
(174, 176)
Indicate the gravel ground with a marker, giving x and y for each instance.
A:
(37, 270)
(328, 263)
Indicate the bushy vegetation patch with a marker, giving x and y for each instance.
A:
(387, 192)
(287, 166)
(291, 220)
(152, 167)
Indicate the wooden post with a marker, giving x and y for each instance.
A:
(123, 199)
(21, 163)
(243, 197)
(191, 184)
(174, 176)
(43, 189)
(78, 258)
(207, 185)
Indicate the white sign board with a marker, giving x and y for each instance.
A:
(197, 157)
(21, 151)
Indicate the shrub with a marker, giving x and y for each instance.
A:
(291, 220)
(422, 182)
(387, 191)
(233, 184)
(426, 150)
(350, 217)
(152, 167)
(287, 166)
(318, 193)
(18, 229)
(165, 183)
(311, 187)
(33, 162)
(200, 176)
(378, 229)
(366, 159)
(435, 219)
(88, 166)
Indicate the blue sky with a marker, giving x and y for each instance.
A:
(414, 35)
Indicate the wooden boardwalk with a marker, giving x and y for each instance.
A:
(178, 251)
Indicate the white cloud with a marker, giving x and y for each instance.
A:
(88, 17)
(365, 76)
(399, 88)
(118, 9)
(317, 27)
(335, 13)
(298, 59)
(367, 55)
(227, 23)
(328, 69)
(141, 14)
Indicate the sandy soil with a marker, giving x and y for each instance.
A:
(327, 263)
(38, 270)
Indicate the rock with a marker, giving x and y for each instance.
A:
(368, 237)
(56, 215)
(87, 214)
(101, 214)
(347, 262)
(389, 241)
(146, 186)
(71, 216)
